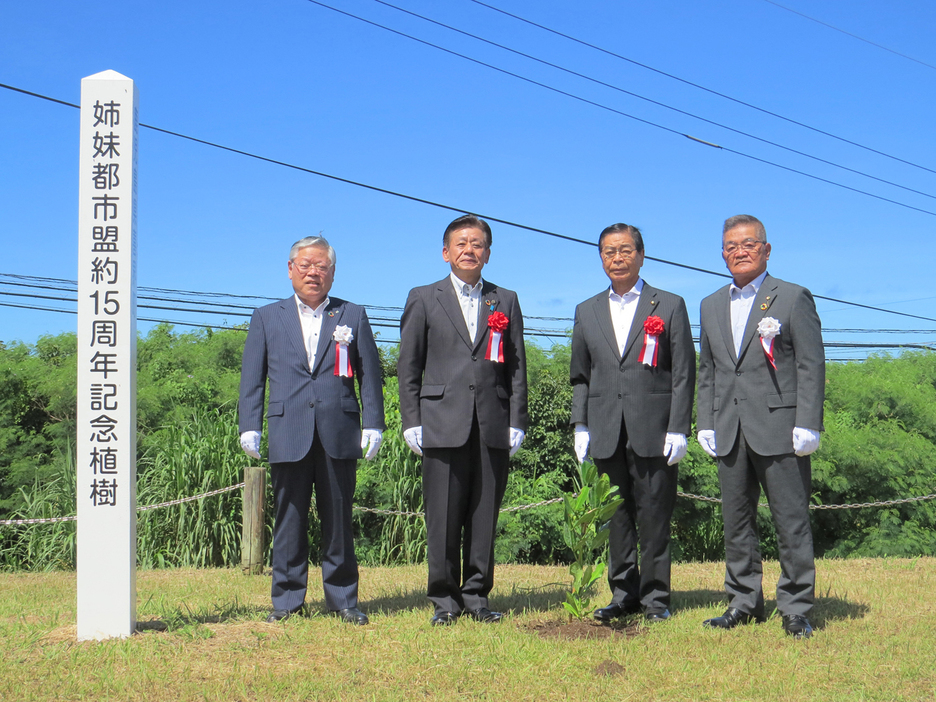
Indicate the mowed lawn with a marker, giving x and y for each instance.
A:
(202, 636)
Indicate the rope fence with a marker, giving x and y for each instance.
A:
(517, 508)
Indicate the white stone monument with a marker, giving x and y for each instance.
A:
(106, 444)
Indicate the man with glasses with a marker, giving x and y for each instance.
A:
(633, 377)
(761, 389)
(463, 407)
(311, 348)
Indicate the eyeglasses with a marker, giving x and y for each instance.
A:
(749, 245)
(305, 267)
(624, 251)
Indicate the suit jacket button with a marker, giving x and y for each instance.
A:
(620, 396)
(471, 387)
(311, 404)
(474, 358)
(738, 373)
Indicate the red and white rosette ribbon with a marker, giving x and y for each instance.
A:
(653, 327)
(768, 328)
(343, 337)
(497, 323)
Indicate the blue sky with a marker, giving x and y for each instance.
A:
(299, 83)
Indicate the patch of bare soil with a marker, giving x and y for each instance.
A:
(578, 629)
(609, 669)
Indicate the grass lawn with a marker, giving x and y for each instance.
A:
(202, 636)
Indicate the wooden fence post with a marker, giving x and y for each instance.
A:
(252, 551)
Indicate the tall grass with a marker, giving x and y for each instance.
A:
(392, 482)
(199, 456)
(45, 546)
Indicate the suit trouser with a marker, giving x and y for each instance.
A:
(334, 481)
(462, 489)
(786, 480)
(648, 487)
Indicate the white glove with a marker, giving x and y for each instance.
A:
(581, 442)
(413, 439)
(675, 448)
(250, 442)
(805, 441)
(370, 442)
(707, 439)
(516, 438)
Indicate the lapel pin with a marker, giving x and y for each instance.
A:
(332, 313)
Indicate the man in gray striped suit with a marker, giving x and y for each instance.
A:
(463, 404)
(311, 347)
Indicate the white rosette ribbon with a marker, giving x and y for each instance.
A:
(769, 329)
(343, 337)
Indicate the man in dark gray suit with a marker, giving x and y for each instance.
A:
(311, 347)
(761, 389)
(633, 377)
(463, 402)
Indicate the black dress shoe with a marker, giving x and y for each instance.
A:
(797, 626)
(732, 618)
(657, 616)
(483, 614)
(352, 615)
(281, 615)
(444, 619)
(615, 611)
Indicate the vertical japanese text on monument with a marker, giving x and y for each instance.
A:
(104, 275)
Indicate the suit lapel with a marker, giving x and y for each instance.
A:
(602, 307)
(445, 294)
(646, 304)
(289, 315)
(724, 321)
(765, 297)
(331, 318)
(488, 294)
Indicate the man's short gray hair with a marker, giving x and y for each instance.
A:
(738, 220)
(317, 241)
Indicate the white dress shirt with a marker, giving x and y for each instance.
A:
(623, 307)
(742, 300)
(311, 321)
(470, 300)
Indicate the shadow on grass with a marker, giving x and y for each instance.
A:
(515, 601)
(828, 608)
(186, 618)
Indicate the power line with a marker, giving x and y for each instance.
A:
(853, 36)
(528, 333)
(462, 209)
(619, 112)
(394, 322)
(701, 87)
(654, 102)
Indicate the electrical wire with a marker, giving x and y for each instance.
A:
(394, 323)
(701, 87)
(655, 102)
(619, 112)
(461, 209)
(853, 36)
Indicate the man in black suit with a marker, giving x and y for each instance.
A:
(310, 348)
(761, 389)
(463, 403)
(633, 377)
